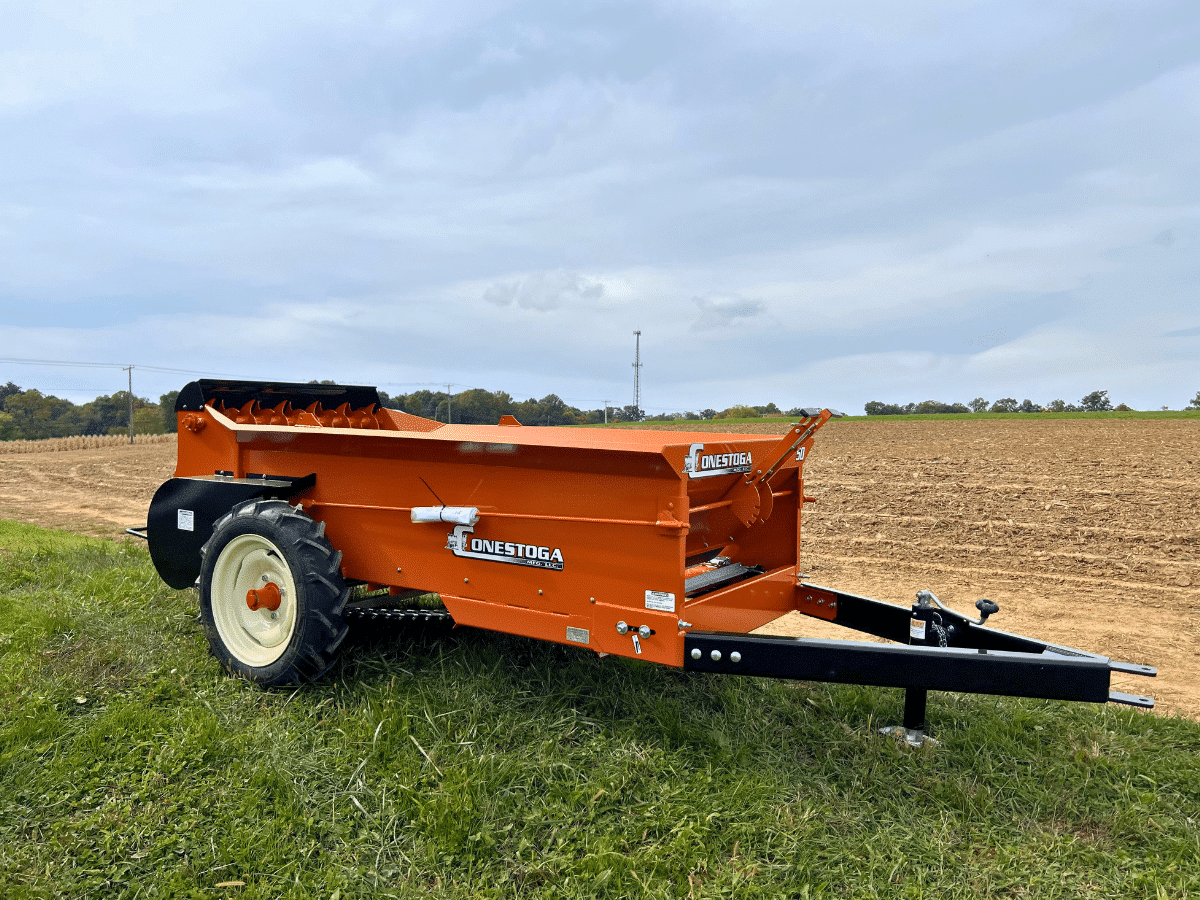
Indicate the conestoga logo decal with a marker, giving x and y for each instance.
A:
(701, 465)
(464, 544)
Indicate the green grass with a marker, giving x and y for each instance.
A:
(931, 417)
(466, 764)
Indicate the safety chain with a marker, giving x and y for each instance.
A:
(935, 623)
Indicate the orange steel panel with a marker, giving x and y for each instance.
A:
(578, 528)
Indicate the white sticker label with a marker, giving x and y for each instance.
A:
(185, 520)
(578, 635)
(916, 629)
(660, 600)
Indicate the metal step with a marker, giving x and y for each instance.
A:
(706, 582)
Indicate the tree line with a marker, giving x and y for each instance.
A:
(477, 406)
(31, 415)
(1096, 401)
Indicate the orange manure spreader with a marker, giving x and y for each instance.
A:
(300, 510)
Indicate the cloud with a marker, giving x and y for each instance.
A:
(919, 195)
(725, 311)
(544, 291)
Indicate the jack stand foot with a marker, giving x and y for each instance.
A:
(912, 732)
(914, 737)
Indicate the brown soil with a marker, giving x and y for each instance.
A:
(1084, 531)
(99, 491)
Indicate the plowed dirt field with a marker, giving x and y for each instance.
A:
(1084, 531)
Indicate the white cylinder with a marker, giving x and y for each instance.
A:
(455, 515)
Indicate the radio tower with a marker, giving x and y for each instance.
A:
(637, 364)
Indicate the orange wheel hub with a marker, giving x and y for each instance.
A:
(265, 597)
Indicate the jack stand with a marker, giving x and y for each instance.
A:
(912, 732)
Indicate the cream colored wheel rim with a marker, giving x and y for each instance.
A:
(254, 637)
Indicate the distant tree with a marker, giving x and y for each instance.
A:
(1123, 407)
(1056, 406)
(978, 405)
(110, 415)
(550, 410)
(926, 407)
(1195, 404)
(878, 408)
(480, 407)
(7, 391)
(739, 411)
(1007, 404)
(147, 420)
(166, 406)
(631, 413)
(35, 416)
(422, 403)
(712, 413)
(769, 410)
(1096, 401)
(8, 429)
(1028, 406)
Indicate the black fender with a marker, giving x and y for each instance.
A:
(182, 513)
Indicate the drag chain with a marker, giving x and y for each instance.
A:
(355, 615)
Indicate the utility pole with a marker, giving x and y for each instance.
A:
(637, 365)
(449, 414)
(129, 369)
(605, 412)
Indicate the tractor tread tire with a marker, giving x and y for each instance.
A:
(314, 565)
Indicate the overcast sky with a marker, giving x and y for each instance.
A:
(811, 203)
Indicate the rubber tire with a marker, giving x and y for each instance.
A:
(317, 627)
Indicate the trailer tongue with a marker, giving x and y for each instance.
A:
(665, 546)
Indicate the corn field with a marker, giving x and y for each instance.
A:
(81, 442)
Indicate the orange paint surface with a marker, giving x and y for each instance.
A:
(578, 528)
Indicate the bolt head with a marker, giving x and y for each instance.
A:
(622, 628)
(715, 655)
(644, 631)
(696, 654)
(735, 656)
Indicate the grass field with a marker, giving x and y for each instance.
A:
(467, 764)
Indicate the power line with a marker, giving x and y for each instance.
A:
(102, 365)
